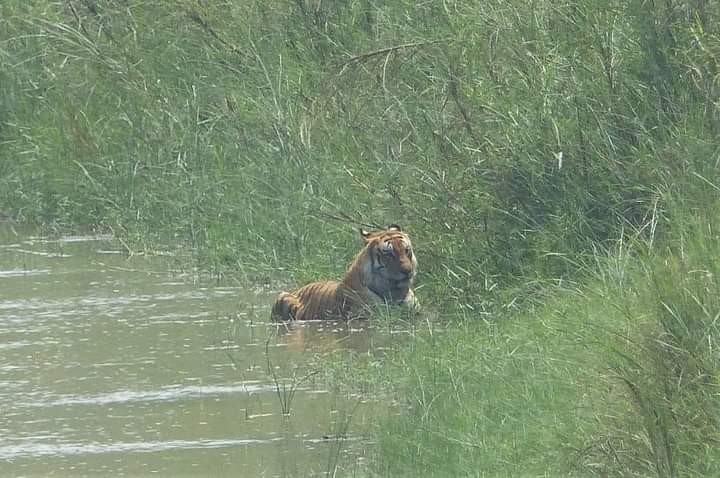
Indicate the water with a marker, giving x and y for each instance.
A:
(114, 367)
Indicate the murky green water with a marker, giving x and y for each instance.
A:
(113, 367)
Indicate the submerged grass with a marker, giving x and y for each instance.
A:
(516, 141)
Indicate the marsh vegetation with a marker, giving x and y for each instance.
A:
(556, 164)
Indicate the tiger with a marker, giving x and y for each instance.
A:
(381, 273)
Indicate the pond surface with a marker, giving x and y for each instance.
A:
(112, 366)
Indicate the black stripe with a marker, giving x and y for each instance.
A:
(375, 261)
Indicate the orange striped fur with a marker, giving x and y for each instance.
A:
(381, 273)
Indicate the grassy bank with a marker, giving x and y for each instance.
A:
(555, 162)
(617, 377)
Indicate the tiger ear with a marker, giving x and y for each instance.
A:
(394, 227)
(365, 235)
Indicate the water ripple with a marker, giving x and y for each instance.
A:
(36, 449)
(166, 394)
(23, 272)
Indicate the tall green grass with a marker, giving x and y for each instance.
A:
(664, 362)
(504, 135)
(618, 377)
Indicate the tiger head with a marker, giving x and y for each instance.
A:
(388, 263)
